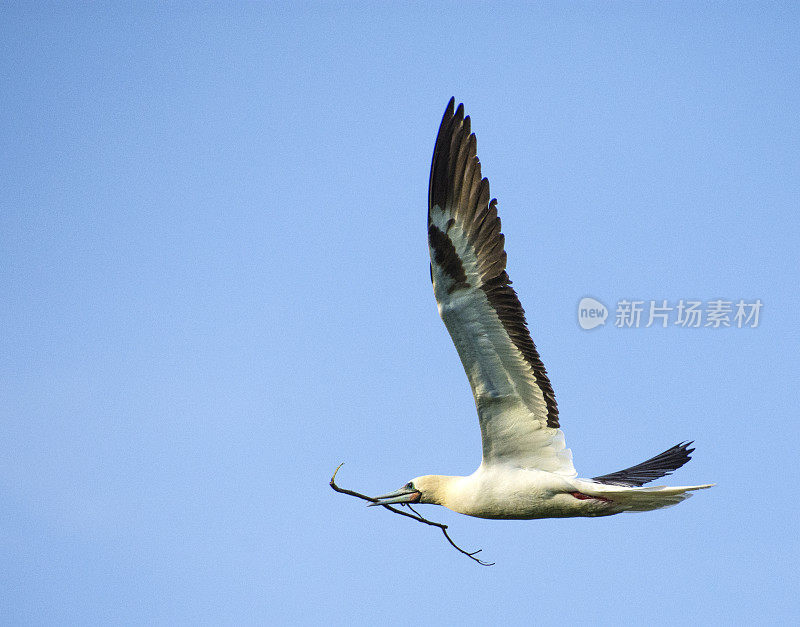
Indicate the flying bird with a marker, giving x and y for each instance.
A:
(526, 470)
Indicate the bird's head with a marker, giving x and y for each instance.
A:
(420, 490)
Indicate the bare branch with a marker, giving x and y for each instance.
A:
(416, 516)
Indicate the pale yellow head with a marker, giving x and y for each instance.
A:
(431, 489)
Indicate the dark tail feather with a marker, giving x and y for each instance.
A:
(654, 468)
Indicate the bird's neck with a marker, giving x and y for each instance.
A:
(443, 489)
(438, 489)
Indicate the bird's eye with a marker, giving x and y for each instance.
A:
(410, 485)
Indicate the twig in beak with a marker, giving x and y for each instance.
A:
(416, 517)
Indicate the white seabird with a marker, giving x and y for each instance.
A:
(526, 471)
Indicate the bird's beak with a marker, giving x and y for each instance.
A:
(403, 495)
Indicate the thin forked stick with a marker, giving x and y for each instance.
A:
(418, 518)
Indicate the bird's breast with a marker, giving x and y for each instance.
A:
(519, 494)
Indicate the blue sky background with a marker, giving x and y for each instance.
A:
(215, 289)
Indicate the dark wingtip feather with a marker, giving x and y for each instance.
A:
(656, 467)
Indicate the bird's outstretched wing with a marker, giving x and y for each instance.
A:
(516, 405)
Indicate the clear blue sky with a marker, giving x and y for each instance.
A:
(215, 289)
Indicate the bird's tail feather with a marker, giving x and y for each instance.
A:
(632, 499)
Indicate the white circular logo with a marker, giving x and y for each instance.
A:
(591, 313)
